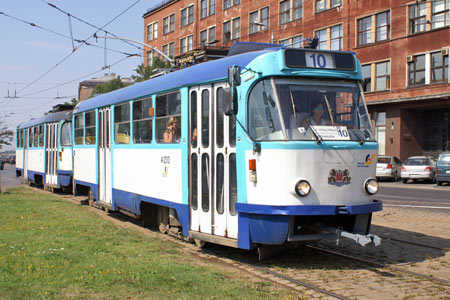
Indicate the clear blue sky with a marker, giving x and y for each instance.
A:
(29, 53)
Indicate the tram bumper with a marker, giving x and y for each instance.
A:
(272, 225)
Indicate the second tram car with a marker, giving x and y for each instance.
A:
(263, 147)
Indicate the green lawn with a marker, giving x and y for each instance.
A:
(54, 249)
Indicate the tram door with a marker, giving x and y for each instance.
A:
(213, 190)
(25, 153)
(51, 151)
(104, 156)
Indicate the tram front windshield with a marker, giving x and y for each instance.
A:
(302, 109)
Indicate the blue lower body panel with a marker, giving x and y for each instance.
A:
(269, 225)
(92, 186)
(31, 175)
(132, 203)
(64, 178)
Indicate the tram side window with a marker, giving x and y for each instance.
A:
(168, 118)
(142, 121)
(122, 124)
(90, 127)
(30, 137)
(36, 136)
(18, 139)
(79, 129)
(41, 135)
(66, 134)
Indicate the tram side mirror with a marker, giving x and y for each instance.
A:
(230, 101)
(234, 76)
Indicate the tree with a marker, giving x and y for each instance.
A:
(6, 136)
(112, 85)
(144, 72)
(73, 102)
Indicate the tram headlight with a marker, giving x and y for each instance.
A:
(371, 186)
(302, 188)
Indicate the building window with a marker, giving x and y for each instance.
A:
(417, 17)
(440, 13)
(172, 50)
(294, 42)
(259, 20)
(203, 9)
(168, 112)
(236, 28)
(79, 129)
(380, 131)
(290, 10)
(90, 127)
(230, 3)
(380, 79)
(183, 45)
(122, 124)
(367, 34)
(150, 58)
(439, 67)
(165, 50)
(207, 36)
(364, 31)
(169, 24)
(142, 121)
(190, 42)
(416, 70)
(152, 31)
(382, 76)
(187, 16)
(367, 77)
(383, 29)
(336, 37)
(322, 5)
(227, 31)
(335, 40)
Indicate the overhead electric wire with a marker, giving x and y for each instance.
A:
(66, 36)
(87, 23)
(65, 58)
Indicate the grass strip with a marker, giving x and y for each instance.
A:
(54, 249)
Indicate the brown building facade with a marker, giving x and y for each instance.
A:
(403, 47)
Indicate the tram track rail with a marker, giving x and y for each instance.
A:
(415, 244)
(380, 265)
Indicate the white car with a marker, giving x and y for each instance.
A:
(388, 167)
(419, 168)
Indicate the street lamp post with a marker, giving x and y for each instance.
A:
(272, 40)
(138, 42)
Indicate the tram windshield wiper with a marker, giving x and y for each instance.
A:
(316, 134)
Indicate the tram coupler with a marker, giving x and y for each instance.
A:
(361, 239)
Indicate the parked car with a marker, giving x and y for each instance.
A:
(389, 167)
(443, 168)
(419, 168)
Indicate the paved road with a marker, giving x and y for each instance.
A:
(8, 177)
(417, 194)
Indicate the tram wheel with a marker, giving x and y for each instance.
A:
(162, 217)
(199, 243)
(91, 198)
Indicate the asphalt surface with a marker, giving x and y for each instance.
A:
(415, 194)
(8, 177)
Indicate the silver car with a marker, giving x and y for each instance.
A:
(419, 168)
(388, 167)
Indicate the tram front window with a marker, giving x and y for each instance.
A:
(302, 109)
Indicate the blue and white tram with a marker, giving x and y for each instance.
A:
(246, 165)
(44, 150)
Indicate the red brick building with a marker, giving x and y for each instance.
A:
(403, 47)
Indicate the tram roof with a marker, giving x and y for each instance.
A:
(196, 74)
(51, 117)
